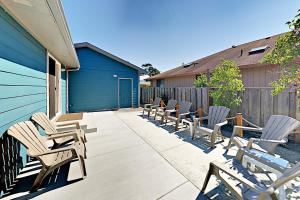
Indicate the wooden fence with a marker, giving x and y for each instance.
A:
(257, 103)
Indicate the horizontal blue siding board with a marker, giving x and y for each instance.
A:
(23, 80)
(9, 92)
(17, 45)
(94, 86)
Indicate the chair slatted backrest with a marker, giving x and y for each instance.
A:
(171, 104)
(29, 136)
(278, 127)
(184, 107)
(156, 102)
(46, 124)
(287, 175)
(216, 114)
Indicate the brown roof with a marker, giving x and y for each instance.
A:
(239, 54)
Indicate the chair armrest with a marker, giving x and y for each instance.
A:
(248, 128)
(66, 131)
(200, 118)
(236, 128)
(62, 135)
(233, 174)
(251, 140)
(219, 125)
(183, 114)
(60, 124)
(222, 123)
(154, 106)
(197, 119)
(168, 112)
(147, 105)
(54, 151)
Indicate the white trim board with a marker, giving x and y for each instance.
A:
(57, 64)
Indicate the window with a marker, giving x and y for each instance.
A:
(160, 83)
(258, 50)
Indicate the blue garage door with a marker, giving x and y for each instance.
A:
(125, 93)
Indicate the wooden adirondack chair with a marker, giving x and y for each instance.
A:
(150, 107)
(274, 133)
(216, 119)
(178, 115)
(52, 130)
(162, 111)
(50, 159)
(248, 187)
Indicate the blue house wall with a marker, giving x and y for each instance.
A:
(23, 82)
(23, 75)
(95, 86)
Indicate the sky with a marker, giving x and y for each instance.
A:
(167, 33)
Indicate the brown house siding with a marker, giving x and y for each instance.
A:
(259, 76)
(185, 81)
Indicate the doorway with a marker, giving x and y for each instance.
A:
(53, 87)
(125, 93)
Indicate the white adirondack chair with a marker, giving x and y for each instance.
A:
(178, 115)
(151, 106)
(274, 133)
(248, 187)
(216, 119)
(162, 111)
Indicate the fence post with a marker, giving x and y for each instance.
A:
(162, 103)
(239, 122)
(201, 114)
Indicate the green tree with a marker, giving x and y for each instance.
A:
(201, 81)
(226, 83)
(152, 71)
(287, 48)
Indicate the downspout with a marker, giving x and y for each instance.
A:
(67, 90)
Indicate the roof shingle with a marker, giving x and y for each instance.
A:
(239, 54)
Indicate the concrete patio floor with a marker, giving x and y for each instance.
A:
(130, 157)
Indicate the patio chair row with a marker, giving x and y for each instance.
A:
(67, 144)
(260, 150)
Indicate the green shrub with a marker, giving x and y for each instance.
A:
(226, 83)
(201, 81)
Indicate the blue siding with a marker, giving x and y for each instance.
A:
(94, 86)
(63, 91)
(23, 83)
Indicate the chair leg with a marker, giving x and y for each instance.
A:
(208, 175)
(149, 113)
(213, 140)
(176, 125)
(229, 144)
(162, 120)
(143, 113)
(82, 166)
(39, 179)
(239, 155)
(191, 129)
